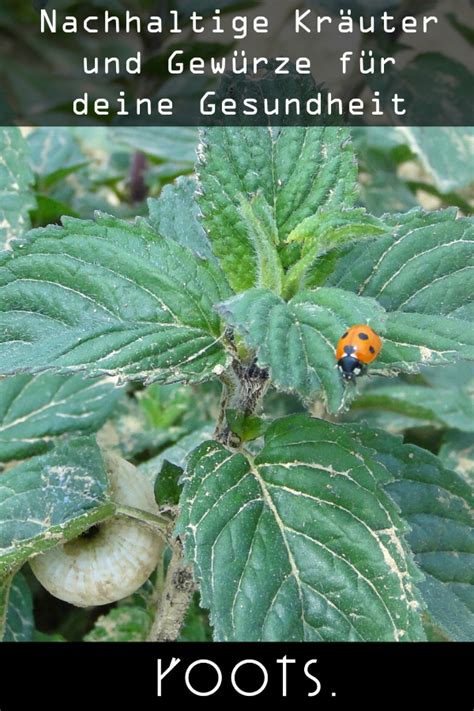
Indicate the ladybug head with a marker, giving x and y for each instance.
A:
(350, 367)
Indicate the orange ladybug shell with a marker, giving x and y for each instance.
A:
(365, 342)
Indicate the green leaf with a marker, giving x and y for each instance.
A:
(247, 427)
(382, 189)
(176, 143)
(426, 265)
(111, 298)
(130, 621)
(328, 228)
(436, 407)
(411, 340)
(438, 505)
(445, 403)
(300, 544)
(297, 340)
(49, 210)
(142, 426)
(19, 622)
(45, 637)
(36, 410)
(459, 376)
(54, 154)
(51, 498)
(196, 624)
(432, 631)
(175, 214)
(176, 454)
(167, 489)
(16, 178)
(296, 170)
(164, 405)
(122, 624)
(5, 585)
(444, 152)
(384, 139)
(380, 150)
(451, 167)
(263, 235)
(457, 453)
(325, 230)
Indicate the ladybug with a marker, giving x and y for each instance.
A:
(356, 348)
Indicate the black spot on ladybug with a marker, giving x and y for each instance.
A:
(344, 335)
(363, 337)
(349, 350)
(372, 349)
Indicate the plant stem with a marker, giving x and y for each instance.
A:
(221, 423)
(243, 388)
(138, 188)
(163, 525)
(175, 599)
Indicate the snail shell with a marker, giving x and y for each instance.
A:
(117, 556)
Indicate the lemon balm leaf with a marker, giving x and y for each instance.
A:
(438, 505)
(37, 410)
(425, 264)
(300, 543)
(16, 609)
(295, 169)
(51, 498)
(16, 179)
(111, 298)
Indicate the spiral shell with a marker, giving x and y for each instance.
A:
(116, 558)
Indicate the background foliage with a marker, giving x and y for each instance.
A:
(379, 546)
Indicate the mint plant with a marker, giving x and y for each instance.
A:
(198, 342)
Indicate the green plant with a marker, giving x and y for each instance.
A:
(290, 503)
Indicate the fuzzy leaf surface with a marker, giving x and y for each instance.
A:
(51, 498)
(438, 505)
(175, 214)
(16, 178)
(19, 622)
(109, 297)
(296, 169)
(425, 265)
(36, 410)
(300, 543)
(457, 453)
